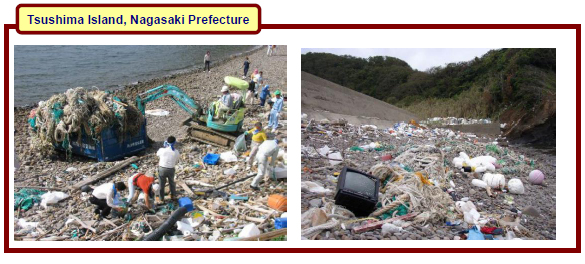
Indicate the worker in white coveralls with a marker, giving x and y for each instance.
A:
(168, 158)
(268, 149)
(275, 112)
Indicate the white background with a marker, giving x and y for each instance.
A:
(358, 12)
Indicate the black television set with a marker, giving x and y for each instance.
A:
(357, 191)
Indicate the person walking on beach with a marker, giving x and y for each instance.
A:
(145, 183)
(106, 197)
(207, 61)
(268, 149)
(258, 136)
(265, 93)
(258, 79)
(251, 92)
(271, 50)
(168, 157)
(275, 112)
(246, 67)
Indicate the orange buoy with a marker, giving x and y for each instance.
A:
(277, 202)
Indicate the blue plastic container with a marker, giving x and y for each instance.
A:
(211, 158)
(108, 148)
(280, 223)
(187, 203)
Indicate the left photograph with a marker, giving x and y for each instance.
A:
(150, 143)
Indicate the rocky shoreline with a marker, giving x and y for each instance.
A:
(58, 173)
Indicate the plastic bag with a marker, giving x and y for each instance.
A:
(52, 198)
(249, 230)
(240, 144)
(475, 234)
(228, 157)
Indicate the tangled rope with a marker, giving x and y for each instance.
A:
(80, 112)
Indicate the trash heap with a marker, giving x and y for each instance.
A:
(224, 207)
(434, 184)
(67, 117)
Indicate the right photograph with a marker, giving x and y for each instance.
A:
(428, 144)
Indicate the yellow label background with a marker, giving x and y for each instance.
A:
(250, 12)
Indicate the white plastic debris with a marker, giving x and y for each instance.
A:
(185, 226)
(335, 158)
(515, 186)
(52, 198)
(231, 171)
(249, 230)
(479, 183)
(324, 150)
(157, 112)
(71, 169)
(228, 157)
(313, 187)
(215, 235)
(390, 229)
(27, 225)
(496, 181)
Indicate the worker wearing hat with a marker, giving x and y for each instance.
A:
(275, 112)
(225, 102)
(258, 136)
(264, 94)
(144, 182)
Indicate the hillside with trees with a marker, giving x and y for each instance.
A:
(514, 86)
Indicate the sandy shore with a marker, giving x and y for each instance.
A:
(203, 87)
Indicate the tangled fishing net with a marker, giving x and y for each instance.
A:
(417, 189)
(77, 112)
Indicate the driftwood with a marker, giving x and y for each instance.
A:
(266, 236)
(105, 173)
(82, 223)
(41, 188)
(186, 188)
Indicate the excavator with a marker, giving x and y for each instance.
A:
(203, 124)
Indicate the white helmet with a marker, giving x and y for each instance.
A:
(224, 88)
(155, 187)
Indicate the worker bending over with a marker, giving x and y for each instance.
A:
(275, 112)
(168, 157)
(106, 197)
(145, 183)
(258, 136)
(268, 149)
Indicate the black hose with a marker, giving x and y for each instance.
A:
(161, 230)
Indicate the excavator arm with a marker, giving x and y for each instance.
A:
(180, 97)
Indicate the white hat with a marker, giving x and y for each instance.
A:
(224, 88)
(155, 187)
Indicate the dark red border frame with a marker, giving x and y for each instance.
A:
(139, 32)
(577, 249)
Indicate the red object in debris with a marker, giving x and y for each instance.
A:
(488, 230)
(386, 157)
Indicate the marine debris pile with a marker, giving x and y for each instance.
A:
(433, 184)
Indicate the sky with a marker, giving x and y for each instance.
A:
(420, 59)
